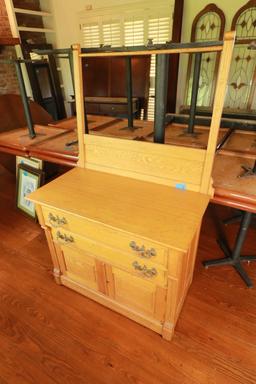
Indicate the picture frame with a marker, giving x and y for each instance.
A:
(28, 180)
(30, 161)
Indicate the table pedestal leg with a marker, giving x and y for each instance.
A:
(234, 257)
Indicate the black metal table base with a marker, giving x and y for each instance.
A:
(27, 135)
(236, 264)
(248, 171)
(234, 257)
(193, 134)
(131, 129)
(233, 219)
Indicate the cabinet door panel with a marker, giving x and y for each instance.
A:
(135, 293)
(80, 268)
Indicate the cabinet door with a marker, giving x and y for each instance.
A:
(136, 293)
(79, 267)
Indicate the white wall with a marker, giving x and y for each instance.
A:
(65, 22)
(191, 9)
(66, 16)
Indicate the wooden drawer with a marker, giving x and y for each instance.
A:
(116, 108)
(92, 108)
(113, 108)
(131, 263)
(128, 243)
(109, 109)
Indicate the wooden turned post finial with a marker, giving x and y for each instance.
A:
(76, 47)
(230, 35)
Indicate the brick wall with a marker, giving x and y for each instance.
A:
(5, 30)
(8, 79)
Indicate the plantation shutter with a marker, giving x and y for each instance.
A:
(91, 35)
(111, 33)
(128, 25)
(133, 33)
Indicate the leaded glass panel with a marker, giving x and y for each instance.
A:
(207, 26)
(241, 88)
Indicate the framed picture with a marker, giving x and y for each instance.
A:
(28, 180)
(30, 161)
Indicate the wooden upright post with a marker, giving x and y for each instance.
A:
(224, 67)
(79, 95)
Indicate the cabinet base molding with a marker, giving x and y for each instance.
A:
(167, 331)
(148, 322)
(57, 276)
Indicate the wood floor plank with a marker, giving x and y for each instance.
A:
(50, 334)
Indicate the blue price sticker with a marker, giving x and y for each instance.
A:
(181, 186)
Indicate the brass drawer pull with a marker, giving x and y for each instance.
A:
(65, 238)
(146, 272)
(56, 221)
(142, 251)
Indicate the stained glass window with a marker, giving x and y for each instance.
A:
(242, 78)
(208, 25)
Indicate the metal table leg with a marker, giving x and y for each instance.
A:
(162, 65)
(234, 257)
(128, 64)
(195, 86)
(24, 99)
(129, 91)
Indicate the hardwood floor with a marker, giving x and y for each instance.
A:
(50, 334)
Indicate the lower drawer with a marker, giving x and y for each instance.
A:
(144, 269)
(114, 108)
(92, 108)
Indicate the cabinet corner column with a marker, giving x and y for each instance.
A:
(48, 235)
